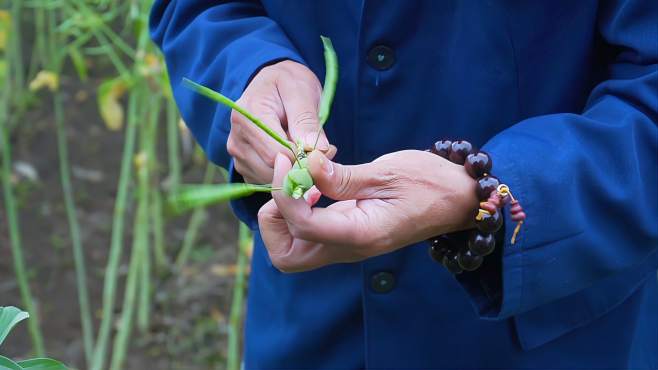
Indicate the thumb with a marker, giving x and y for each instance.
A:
(341, 182)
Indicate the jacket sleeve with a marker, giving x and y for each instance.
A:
(220, 44)
(587, 183)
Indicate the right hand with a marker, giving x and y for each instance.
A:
(285, 96)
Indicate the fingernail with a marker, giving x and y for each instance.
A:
(327, 166)
(322, 145)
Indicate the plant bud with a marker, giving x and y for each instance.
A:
(297, 182)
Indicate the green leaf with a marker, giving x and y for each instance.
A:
(79, 62)
(7, 364)
(9, 317)
(188, 197)
(42, 364)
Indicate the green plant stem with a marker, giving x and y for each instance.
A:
(74, 229)
(157, 222)
(237, 302)
(14, 231)
(109, 289)
(116, 246)
(145, 291)
(330, 81)
(197, 220)
(172, 146)
(67, 190)
(159, 248)
(140, 239)
(15, 43)
(39, 51)
(147, 147)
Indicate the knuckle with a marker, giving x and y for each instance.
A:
(299, 230)
(236, 117)
(343, 186)
(306, 118)
(269, 158)
(281, 262)
(263, 215)
(231, 146)
(240, 167)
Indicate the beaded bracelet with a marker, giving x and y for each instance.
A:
(493, 196)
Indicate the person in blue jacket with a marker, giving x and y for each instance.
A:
(562, 94)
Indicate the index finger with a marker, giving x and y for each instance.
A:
(300, 102)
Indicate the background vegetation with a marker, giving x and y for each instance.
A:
(92, 146)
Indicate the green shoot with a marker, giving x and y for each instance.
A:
(330, 81)
(191, 196)
(218, 97)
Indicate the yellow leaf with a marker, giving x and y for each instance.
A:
(46, 79)
(109, 95)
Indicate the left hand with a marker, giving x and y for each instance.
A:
(399, 199)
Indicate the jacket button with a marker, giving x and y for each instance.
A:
(381, 57)
(382, 282)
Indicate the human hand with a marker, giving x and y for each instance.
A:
(399, 199)
(285, 96)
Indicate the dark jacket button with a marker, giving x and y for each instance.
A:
(381, 57)
(382, 282)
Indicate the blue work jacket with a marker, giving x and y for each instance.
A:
(563, 94)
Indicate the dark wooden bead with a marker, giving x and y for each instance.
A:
(468, 260)
(485, 186)
(439, 247)
(478, 164)
(442, 148)
(437, 253)
(481, 244)
(490, 223)
(451, 264)
(459, 151)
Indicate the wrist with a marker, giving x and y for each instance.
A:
(466, 202)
